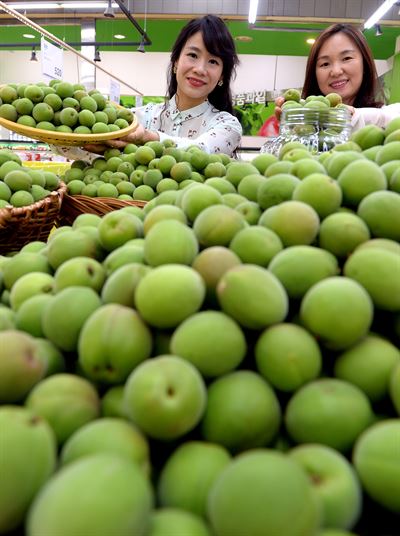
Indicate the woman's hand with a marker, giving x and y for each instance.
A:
(278, 107)
(97, 148)
(139, 136)
(351, 109)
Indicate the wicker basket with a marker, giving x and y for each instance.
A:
(21, 225)
(66, 138)
(73, 206)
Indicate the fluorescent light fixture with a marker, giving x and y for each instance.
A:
(119, 36)
(86, 5)
(253, 11)
(310, 41)
(50, 5)
(29, 36)
(41, 5)
(379, 13)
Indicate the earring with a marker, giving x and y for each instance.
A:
(174, 69)
(220, 83)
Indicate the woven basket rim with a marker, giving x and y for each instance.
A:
(9, 212)
(104, 200)
(67, 138)
(74, 205)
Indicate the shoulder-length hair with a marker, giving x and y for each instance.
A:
(370, 92)
(218, 41)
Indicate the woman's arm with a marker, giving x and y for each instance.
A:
(374, 116)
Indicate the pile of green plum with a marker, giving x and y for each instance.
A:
(143, 172)
(318, 102)
(21, 186)
(62, 107)
(223, 362)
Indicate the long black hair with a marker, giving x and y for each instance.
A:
(218, 42)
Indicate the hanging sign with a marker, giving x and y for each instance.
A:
(52, 60)
(115, 91)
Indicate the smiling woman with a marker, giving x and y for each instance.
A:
(341, 62)
(198, 109)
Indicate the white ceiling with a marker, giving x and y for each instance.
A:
(307, 9)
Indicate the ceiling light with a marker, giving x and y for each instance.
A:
(33, 5)
(29, 36)
(379, 13)
(119, 36)
(310, 41)
(243, 38)
(253, 11)
(33, 55)
(87, 5)
(67, 5)
(109, 12)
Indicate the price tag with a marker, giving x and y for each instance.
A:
(115, 91)
(52, 60)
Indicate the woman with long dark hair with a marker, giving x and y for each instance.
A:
(341, 62)
(198, 109)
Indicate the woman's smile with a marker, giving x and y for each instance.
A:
(338, 84)
(195, 82)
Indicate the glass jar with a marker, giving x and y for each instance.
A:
(318, 129)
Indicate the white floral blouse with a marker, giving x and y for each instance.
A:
(213, 131)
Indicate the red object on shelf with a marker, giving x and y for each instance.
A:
(270, 128)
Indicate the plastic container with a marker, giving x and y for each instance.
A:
(319, 130)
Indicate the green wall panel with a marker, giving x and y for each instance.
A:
(161, 33)
(164, 32)
(395, 83)
(14, 34)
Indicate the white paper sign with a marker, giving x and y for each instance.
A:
(115, 91)
(52, 60)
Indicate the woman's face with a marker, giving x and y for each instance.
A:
(197, 73)
(339, 67)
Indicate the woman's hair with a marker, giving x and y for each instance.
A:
(370, 91)
(218, 41)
